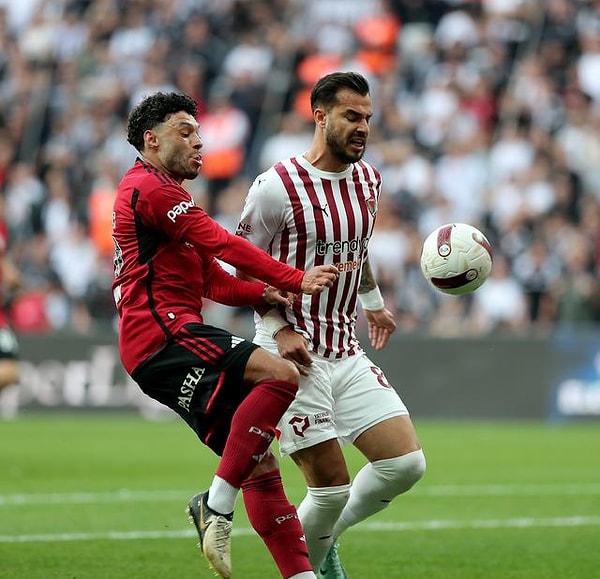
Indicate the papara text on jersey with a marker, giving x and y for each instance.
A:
(180, 209)
(347, 246)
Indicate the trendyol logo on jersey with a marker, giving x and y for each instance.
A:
(189, 386)
(356, 245)
(180, 209)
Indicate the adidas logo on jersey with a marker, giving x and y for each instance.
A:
(235, 341)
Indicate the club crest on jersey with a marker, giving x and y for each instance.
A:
(372, 205)
(299, 425)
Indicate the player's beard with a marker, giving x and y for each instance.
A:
(338, 146)
(184, 167)
(179, 163)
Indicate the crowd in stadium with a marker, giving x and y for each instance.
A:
(486, 112)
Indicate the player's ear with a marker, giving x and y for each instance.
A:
(319, 117)
(150, 139)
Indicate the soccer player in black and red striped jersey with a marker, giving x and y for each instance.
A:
(229, 391)
(315, 208)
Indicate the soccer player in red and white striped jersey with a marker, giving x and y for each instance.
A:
(320, 208)
(229, 391)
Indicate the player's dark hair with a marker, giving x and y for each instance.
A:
(153, 110)
(324, 92)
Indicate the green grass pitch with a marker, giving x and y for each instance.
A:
(102, 497)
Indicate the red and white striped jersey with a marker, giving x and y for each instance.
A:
(306, 217)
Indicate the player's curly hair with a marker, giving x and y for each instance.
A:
(154, 110)
(324, 92)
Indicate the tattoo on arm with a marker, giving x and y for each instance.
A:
(367, 279)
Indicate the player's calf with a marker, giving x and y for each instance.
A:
(275, 520)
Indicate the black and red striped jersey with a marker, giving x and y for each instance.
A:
(165, 262)
(305, 217)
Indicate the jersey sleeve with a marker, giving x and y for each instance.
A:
(224, 288)
(172, 210)
(263, 213)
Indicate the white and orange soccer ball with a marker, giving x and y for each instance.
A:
(456, 258)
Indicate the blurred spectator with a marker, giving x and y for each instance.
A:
(74, 259)
(293, 135)
(25, 194)
(578, 138)
(389, 248)
(198, 43)
(56, 213)
(511, 154)
(225, 130)
(537, 269)
(461, 178)
(500, 304)
(577, 292)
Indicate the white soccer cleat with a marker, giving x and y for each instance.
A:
(214, 531)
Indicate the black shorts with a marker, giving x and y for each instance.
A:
(199, 375)
(9, 347)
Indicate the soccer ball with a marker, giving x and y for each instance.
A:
(456, 258)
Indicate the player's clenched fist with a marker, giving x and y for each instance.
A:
(315, 280)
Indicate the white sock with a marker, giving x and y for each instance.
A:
(222, 496)
(304, 575)
(318, 513)
(376, 484)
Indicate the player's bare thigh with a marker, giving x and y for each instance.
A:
(263, 365)
(9, 372)
(390, 438)
(323, 464)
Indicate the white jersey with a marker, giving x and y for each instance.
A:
(306, 217)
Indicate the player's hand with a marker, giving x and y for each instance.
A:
(293, 346)
(381, 326)
(275, 297)
(315, 280)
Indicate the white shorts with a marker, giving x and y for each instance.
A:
(338, 399)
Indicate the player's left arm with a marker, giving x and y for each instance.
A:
(224, 288)
(380, 320)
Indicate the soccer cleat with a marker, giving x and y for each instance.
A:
(331, 567)
(214, 531)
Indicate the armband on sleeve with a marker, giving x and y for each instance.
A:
(273, 322)
(372, 300)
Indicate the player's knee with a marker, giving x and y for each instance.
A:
(268, 465)
(286, 371)
(415, 466)
(330, 499)
(280, 380)
(263, 365)
(9, 372)
(403, 472)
